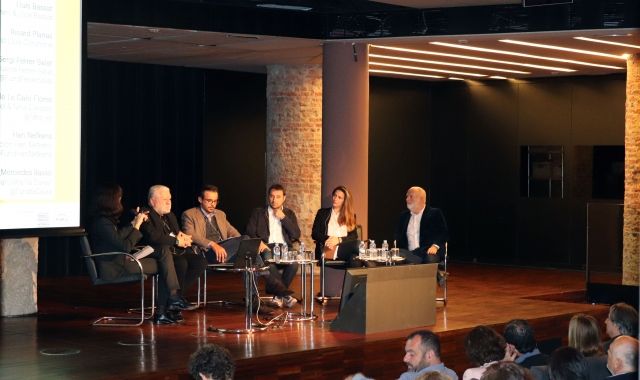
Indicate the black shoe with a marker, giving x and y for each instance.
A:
(179, 303)
(163, 319)
(263, 310)
(442, 278)
(176, 315)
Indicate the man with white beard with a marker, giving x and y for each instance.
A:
(421, 233)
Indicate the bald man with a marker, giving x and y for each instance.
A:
(622, 358)
(422, 231)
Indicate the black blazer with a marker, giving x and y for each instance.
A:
(258, 225)
(433, 230)
(105, 236)
(320, 228)
(154, 233)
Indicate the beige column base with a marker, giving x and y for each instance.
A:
(18, 277)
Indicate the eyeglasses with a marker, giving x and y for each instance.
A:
(209, 201)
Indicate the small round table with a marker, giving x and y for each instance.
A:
(307, 287)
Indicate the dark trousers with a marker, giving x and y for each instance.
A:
(189, 267)
(168, 284)
(420, 256)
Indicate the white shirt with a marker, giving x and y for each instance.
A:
(335, 229)
(275, 228)
(413, 230)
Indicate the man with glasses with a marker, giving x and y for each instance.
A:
(211, 231)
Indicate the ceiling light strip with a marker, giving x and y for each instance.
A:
(403, 73)
(562, 48)
(596, 40)
(507, 52)
(381, 56)
(426, 69)
(460, 56)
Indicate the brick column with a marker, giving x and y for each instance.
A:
(18, 277)
(631, 229)
(294, 138)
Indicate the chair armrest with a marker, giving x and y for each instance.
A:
(131, 257)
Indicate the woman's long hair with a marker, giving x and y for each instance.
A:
(584, 335)
(347, 216)
(106, 201)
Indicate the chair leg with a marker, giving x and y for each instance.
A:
(443, 299)
(103, 321)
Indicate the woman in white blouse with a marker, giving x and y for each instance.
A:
(336, 225)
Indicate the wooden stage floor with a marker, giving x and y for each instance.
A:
(478, 294)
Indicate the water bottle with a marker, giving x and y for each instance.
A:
(302, 251)
(385, 250)
(276, 252)
(285, 252)
(362, 250)
(373, 252)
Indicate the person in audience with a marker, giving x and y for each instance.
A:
(276, 224)
(622, 320)
(567, 363)
(211, 362)
(483, 346)
(623, 358)
(106, 236)
(520, 334)
(433, 375)
(506, 370)
(161, 231)
(422, 355)
(584, 335)
(212, 233)
(421, 232)
(334, 229)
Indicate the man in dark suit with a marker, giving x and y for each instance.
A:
(276, 224)
(421, 233)
(161, 231)
(520, 335)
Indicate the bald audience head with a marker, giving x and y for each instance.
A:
(416, 199)
(623, 355)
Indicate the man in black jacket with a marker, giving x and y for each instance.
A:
(520, 335)
(276, 224)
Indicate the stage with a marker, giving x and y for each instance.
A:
(478, 294)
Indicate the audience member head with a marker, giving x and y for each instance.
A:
(277, 196)
(519, 333)
(212, 362)
(343, 200)
(433, 375)
(584, 335)
(208, 198)
(107, 201)
(567, 363)
(160, 199)
(505, 370)
(484, 345)
(422, 350)
(623, 355)
(622, 320)
(416, 199)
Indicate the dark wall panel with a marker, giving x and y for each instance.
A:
(399, 149)
(234, 141)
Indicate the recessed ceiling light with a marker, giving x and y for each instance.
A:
(497, 77)
(426, 69)
(507, 52)
(562, 48)
(284, 7)
(403, 73)
(510, 63)
(607, 42)
(446, 63)
(456, 78)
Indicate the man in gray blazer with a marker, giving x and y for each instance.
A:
(211, 231)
